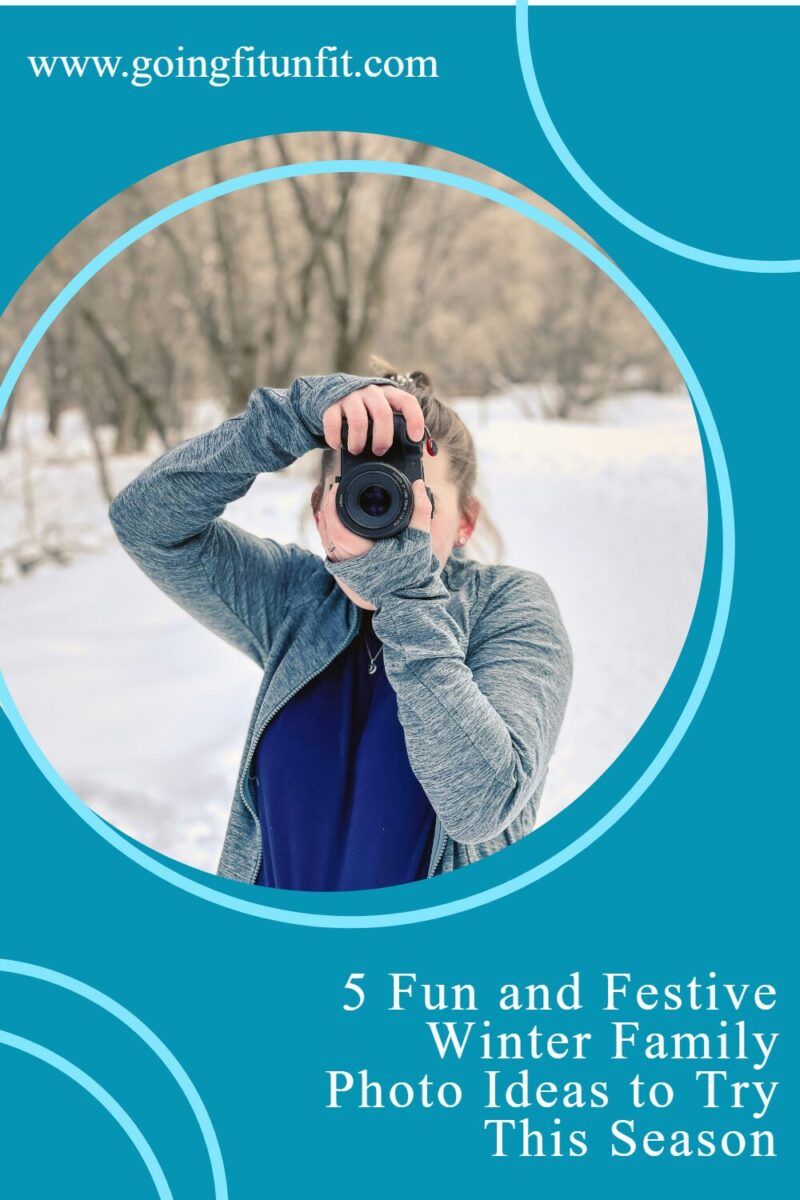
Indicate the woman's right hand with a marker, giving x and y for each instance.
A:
(377, 402)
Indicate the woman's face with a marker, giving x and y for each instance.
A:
(448, 524)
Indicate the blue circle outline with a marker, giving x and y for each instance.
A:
(704, 414)
(726, 262)
(68, 983)
(103, 1098)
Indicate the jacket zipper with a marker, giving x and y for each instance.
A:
(437, 834)
(254, 741)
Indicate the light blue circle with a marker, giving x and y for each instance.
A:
(11, 966)
(448, 179)
(104, 1098)
(769, 266)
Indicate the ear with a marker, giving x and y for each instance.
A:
(469, 519)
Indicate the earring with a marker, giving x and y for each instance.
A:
(461, 541)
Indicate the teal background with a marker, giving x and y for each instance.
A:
(693, 879)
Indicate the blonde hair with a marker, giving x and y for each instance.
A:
(449, 432)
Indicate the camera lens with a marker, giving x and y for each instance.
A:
(375, 501)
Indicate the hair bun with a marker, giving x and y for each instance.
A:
(416, 382)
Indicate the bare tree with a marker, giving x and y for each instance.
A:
(312, 274)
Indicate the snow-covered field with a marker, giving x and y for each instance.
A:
(143, 712)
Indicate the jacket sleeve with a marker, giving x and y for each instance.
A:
(480, 722)
(169, 519)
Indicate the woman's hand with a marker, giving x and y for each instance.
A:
(379, 402)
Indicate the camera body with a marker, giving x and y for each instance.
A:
(374, 498)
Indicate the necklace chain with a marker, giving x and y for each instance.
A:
(373, 659)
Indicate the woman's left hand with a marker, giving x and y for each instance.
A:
(348, 544)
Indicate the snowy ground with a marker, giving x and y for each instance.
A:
(143, 712)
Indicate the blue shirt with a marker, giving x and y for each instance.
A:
(339, 806)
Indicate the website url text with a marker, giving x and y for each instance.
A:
(245, 63)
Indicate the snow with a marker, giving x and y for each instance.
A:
(143, 712)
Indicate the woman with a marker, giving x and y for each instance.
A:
(411, 697)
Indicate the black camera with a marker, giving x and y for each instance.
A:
(374, 498)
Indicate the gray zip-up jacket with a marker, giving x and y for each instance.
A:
(477, 655)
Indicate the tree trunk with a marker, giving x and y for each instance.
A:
(99, 454)
(5, 420)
